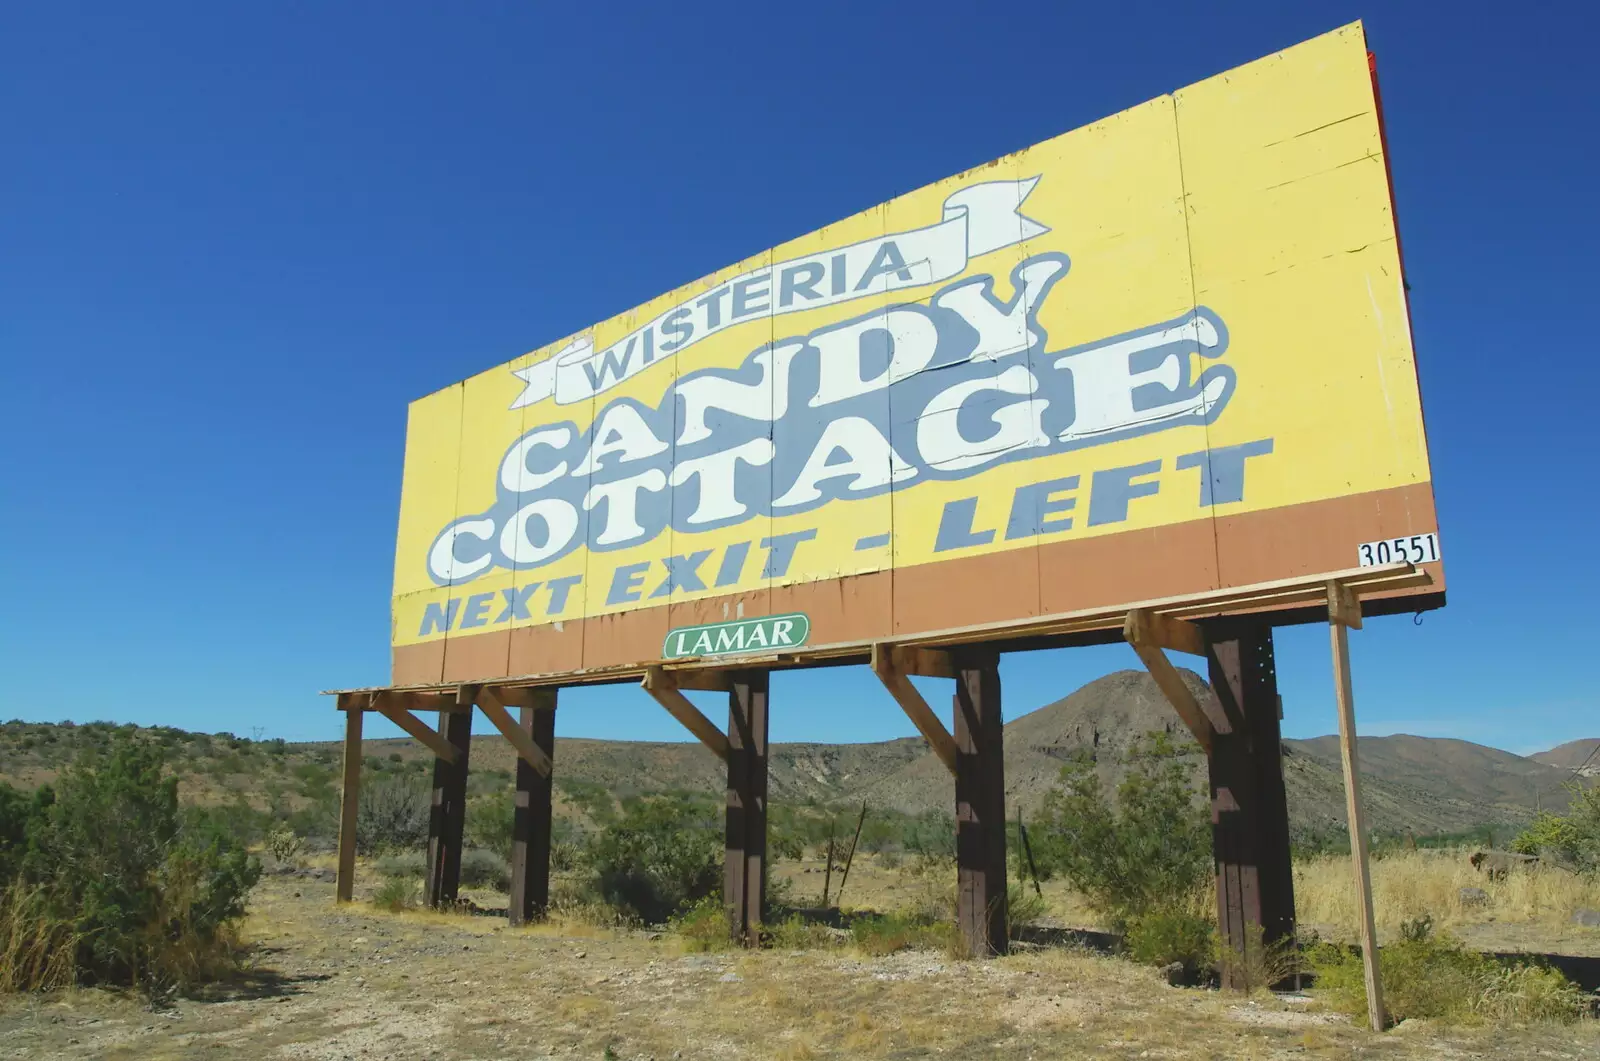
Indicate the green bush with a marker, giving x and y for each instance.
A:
(703, 925)
(878, 935)
(406, 865)
(1432, 975)
(1172, 934)
(1143, 853)
(141, 895)
(659, 856)
(484, 869)
(395, 894)
(1572, 838)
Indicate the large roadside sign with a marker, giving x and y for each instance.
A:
(1162, 354)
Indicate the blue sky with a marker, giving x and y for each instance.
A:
(236, 240)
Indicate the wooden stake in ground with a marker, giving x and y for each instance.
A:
(851, 857)
(827, 876)
(1344, 612)
(1027, 849)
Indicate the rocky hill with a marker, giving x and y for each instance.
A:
(1580, 755)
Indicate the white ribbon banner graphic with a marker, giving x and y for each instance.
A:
(977, 219)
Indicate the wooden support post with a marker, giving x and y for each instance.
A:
(349, 800)
(1249, 810)
(744, 886)
(448, 817)
(530, 826)
(1340, 618)
(980, 803)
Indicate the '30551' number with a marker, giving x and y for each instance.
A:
(1417, 549)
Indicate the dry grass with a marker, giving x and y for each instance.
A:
(1414, 884)
(356, 983)
(36, 950)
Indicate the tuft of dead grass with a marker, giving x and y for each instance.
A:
(1412, 884)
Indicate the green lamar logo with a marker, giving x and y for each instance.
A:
(748, 635)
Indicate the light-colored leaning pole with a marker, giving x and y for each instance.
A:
(1344, 612)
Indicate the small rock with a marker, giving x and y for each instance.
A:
(361, 981)
(1589, 918)
(1173, 974)
(730, 978)
(652, 937)
(1473, 897)
(360, 939)
(581, 954)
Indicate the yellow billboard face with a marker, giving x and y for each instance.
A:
(1161, 354)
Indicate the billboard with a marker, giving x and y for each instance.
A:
(1165, 353)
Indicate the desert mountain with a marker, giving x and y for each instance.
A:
(1411, 784)
(1577, 755)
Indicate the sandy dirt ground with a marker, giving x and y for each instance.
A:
(331, 983)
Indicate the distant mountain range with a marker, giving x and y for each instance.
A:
(1411, 784)
(1416, 784)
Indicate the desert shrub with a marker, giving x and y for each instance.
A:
(703, 925)
(1433, 975)
(395, 894)
(881, 934)
(796, 933)
(1572, 838)
(405, 865)
(284, 845)
(1130, 857)
(484, 869)
(1023, 907)
(490, 820)
(659, 856)
(1170, 934)
(113, 874)
(393, 816)
(17, 810)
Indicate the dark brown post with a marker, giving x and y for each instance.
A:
(530, 825)
(349, 799)
(980, 803)
(1249, 810)
(449, 815)
(744, 884)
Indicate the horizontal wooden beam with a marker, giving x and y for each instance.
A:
(885, 665)
(1141, 636)
(663, 688)
(1344, 609)
(519, 738)
(389, 706)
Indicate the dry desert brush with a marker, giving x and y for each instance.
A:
(106, 882)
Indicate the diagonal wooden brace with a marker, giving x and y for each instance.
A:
(664, 690)
(1149, 633)
(892, 665)
(395, 708)
(493, 701)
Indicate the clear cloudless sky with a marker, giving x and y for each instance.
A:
(236, 239)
